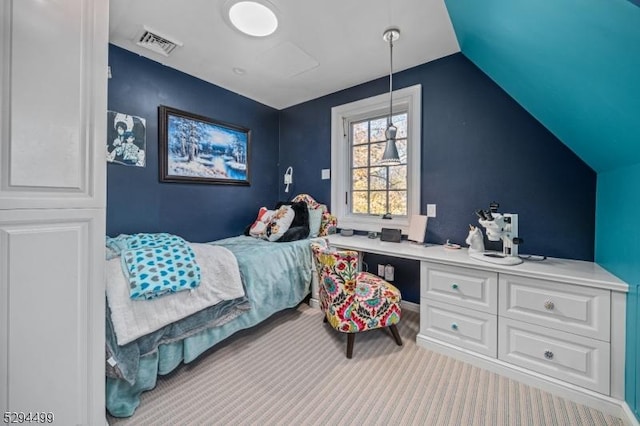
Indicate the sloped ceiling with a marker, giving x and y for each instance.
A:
(573, 64)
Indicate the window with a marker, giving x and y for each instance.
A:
(377, 189)
(362, 191)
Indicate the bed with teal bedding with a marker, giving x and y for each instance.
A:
(276, 276)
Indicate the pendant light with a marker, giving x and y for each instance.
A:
(390, 156)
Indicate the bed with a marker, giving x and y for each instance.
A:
(274, 275)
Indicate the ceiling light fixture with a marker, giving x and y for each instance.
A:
(253, 18)
(390, 156)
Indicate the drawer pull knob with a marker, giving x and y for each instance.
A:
(548, 354)
(454, 286)
(548, 305)
(454, 326)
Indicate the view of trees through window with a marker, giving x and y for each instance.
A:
(377, 189)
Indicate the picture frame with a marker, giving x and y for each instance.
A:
(198, 149)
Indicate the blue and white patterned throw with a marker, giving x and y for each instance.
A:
(156, 264)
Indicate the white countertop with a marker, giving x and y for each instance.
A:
(566, 270)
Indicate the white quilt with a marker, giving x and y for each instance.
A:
(135, 318)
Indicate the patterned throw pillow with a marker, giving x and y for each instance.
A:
(259, 227)
(280, 222)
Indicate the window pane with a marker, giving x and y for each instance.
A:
(378, 178)
(378, 203)
(398, 177)
(360, 132)
(400, 121)
(377, 129)
(401, 144)
(360, 202)
(398, 203)
(377, 149)
(360, 179)
(369, 181)
(360, 155)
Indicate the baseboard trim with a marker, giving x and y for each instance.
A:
(629, 417)
(604, 403)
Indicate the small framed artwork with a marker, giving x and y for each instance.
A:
(198, 149)
(126, 139)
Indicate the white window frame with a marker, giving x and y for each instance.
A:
(408, 99)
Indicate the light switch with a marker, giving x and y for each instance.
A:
(326, 174)
(431, 210)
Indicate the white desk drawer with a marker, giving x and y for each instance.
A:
(575, 309)
(574, 359)
(466, 287)
(473, 330)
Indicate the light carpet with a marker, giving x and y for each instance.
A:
(292, 370)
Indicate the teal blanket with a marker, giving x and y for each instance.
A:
(276, 276)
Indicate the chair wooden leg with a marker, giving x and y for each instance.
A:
(396, 335)
(350, 338)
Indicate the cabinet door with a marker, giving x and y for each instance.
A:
(565, 356)
(466, 287)
(53, 73)
(565, 307)
(53, 78)
(52, 313)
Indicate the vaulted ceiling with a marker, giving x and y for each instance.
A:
(573, 64)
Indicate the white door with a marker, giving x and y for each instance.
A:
(53, 73)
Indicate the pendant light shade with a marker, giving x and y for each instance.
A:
(390, 156)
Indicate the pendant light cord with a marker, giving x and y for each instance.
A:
(390, 80)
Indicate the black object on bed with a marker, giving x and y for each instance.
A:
(299, 228)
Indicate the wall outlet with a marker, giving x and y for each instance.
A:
(431, 210)
(389, 272)
(326, 174)
(381, 270)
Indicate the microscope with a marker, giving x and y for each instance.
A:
(500, 226)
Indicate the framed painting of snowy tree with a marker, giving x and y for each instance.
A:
(198, 149)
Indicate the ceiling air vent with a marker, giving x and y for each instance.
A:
(156, 42)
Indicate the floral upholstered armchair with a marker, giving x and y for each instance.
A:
(354, 301)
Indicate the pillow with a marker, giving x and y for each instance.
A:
(280, 222)
(301, 212)
(315, 217)
(259, 227)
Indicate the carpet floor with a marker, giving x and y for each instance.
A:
(292, 370)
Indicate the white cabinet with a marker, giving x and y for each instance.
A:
(466, 328)
(565, 356)
(558, 324)
(559, 327)
(466, 287)
(556, 328)
(53, 73)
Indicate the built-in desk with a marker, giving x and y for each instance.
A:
(556, 324)
(577, 271)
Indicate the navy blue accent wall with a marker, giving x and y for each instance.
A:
(406, 275)
(478, 146)
(138, 202)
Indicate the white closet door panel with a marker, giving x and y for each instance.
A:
(51, 286)
(53, 79)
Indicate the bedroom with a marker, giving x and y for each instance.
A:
(578, 206)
